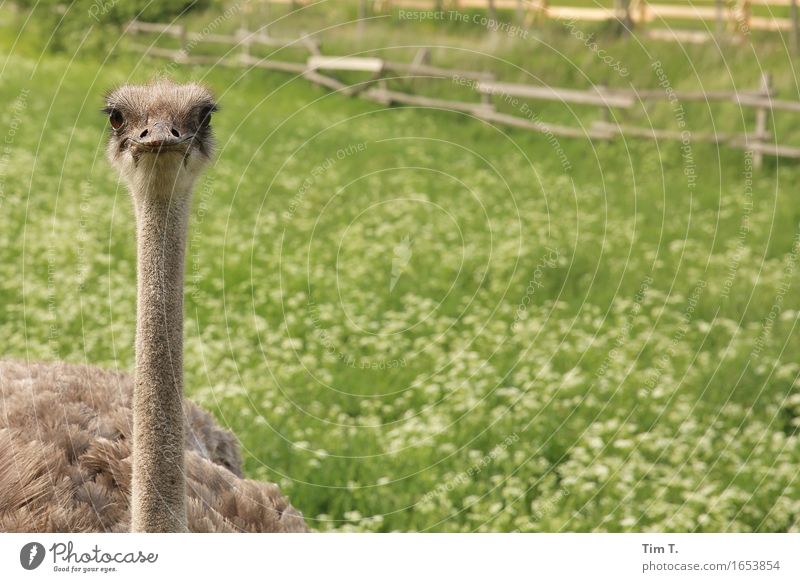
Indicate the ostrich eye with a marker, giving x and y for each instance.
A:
(116, 119)
(204, 115)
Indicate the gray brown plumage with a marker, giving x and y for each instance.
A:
(83, 449)
(65, 458)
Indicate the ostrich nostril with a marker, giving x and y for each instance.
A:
(143, 134)
(175, 132)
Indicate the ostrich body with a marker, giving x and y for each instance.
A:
(83, 449)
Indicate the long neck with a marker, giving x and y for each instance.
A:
(158, 483)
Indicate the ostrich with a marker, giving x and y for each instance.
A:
(84, 449)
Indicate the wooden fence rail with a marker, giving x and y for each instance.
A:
(242, 37)
(321, 70)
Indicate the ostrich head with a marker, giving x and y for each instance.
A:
(161, 135)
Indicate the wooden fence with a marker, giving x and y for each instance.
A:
(321, 70)
(732, 17)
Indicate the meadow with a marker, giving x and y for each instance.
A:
(414, 320)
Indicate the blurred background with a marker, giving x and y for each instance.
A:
(459, 266)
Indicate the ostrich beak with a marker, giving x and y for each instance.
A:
(160, 137)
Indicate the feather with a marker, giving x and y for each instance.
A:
(65, 458)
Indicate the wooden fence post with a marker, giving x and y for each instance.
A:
(312, 44)
(639, 12)
(245, 39)
(362, 16)
(265, 16)
(605, 112)
(623, 9)
(183, 35)
(762, 116)
(492, 11)
(423, 57)
(536, 13)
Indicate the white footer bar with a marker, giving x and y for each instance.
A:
(401, 557)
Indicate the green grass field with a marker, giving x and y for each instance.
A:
(416, 321)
